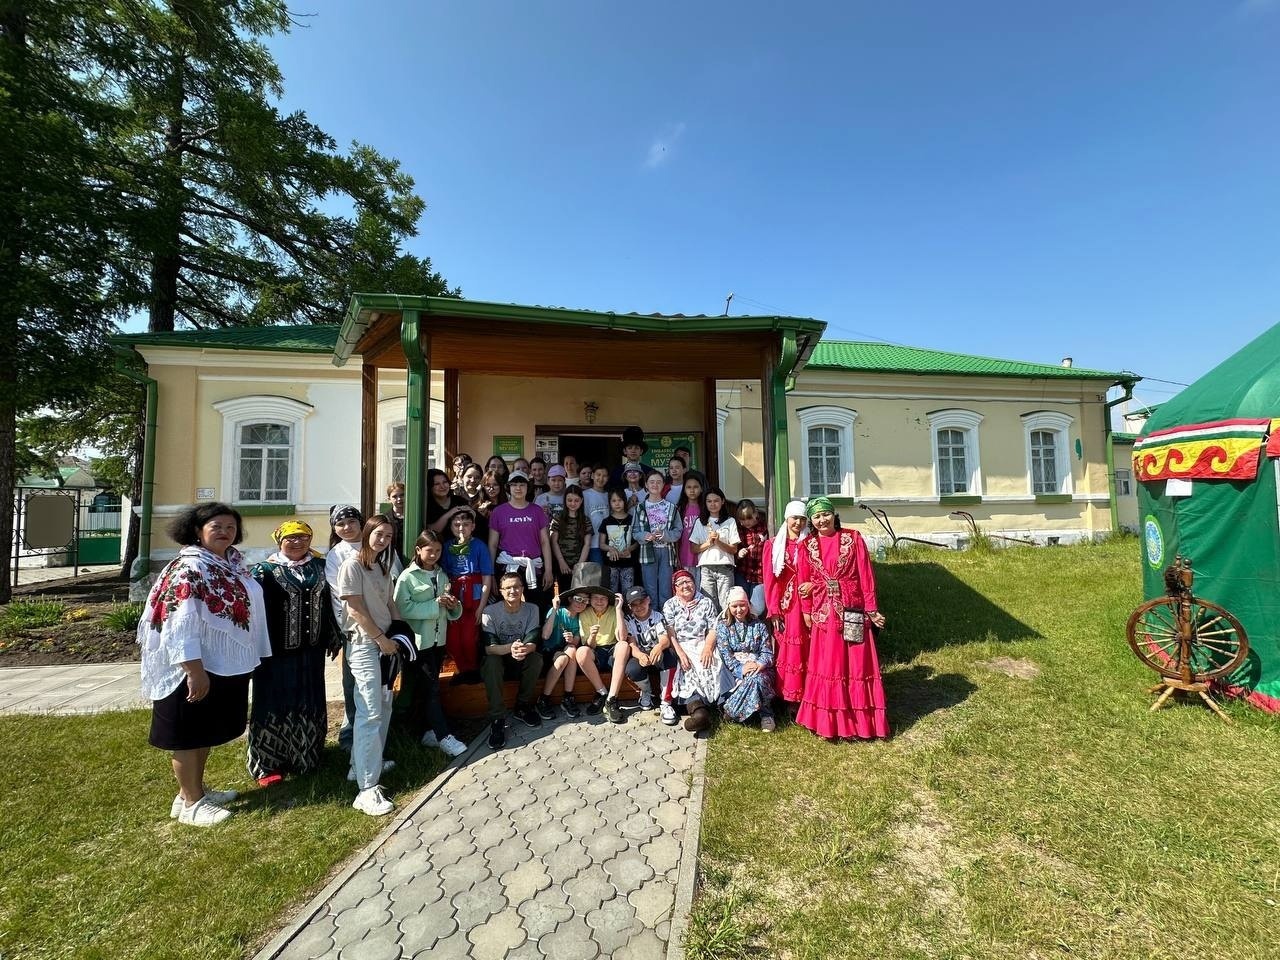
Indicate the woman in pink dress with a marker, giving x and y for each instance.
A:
(782, 601)
(843, 696)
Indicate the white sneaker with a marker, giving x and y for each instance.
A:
(373, 802)
(668, 713)
(453, 746)
(220, 797)
(429, 739)
(203, 813)
(387, 766)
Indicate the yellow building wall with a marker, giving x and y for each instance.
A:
(893, 452)
(742, 440)
(491, 406)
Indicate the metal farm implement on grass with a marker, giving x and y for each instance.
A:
(1188, 641)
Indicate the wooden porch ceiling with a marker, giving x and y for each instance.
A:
(516, 348)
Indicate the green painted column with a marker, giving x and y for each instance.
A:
(781, 486)
(415, 343)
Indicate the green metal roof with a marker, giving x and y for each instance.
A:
(890, 358)
(319, 338)
(1121, 437)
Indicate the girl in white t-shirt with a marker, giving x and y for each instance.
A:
(715, 540)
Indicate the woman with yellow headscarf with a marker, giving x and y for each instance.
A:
(288, 722)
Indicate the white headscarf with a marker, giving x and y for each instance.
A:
(794, 509)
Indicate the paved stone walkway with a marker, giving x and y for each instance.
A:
(94, 688)
(578, 840)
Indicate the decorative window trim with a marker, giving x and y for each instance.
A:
(239, 411)
(1053, 422)
(390, 448)
(722, 417)
(840, 419)
(966, 421)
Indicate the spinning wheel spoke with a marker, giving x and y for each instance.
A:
(1188, 641)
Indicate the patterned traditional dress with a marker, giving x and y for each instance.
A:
(739, 644)
(690, 624)
(782, 599)
(843, 696)
(288, 721)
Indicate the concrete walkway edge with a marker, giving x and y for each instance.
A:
(687, 882)
(313, 907)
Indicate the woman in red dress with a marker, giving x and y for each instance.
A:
(782, 601)
(843, 695)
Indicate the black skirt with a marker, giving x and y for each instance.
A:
(219, 718)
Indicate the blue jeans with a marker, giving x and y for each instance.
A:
(373, 712)
(657, 578)
(348, 705)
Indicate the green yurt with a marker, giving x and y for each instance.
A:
(1208, 463)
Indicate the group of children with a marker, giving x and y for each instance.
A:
(640, 576)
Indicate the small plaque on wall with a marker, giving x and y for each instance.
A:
(205, 493)
(507, 447)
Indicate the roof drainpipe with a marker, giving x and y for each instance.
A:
(1128, 386)
(782, 381)
(419, 369)
(131, 365)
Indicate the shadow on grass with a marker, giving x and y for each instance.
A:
(328, 784)
(929, 607)
(913, 693)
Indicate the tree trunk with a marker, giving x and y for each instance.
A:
(166, 258)
(166, 261)
(133, 525)
(13, 57)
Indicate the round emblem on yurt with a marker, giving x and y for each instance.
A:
(1154, 541)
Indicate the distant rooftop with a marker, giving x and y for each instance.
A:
(319, 338)
(872, 357)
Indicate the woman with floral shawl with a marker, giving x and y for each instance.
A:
(202, 632)
(701, 678)
(843, 695)
(743, 642)
(288, 722)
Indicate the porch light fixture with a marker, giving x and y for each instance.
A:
(589, 410)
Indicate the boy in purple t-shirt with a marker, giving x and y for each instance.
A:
(519, 541)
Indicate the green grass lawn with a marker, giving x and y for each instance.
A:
(93, 867)
(1007, 817)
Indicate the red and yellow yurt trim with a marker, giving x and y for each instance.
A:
(1221, 450)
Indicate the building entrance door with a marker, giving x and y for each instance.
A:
(592, 448)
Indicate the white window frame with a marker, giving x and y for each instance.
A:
(840, 419)
(967, 422)
(1057, 423)
(1124, 475)
(391, 450)
(433, 433)
(242, 411)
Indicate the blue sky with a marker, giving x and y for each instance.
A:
(1027, 180)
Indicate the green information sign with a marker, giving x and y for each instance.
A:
(508, 447)
(662, 445)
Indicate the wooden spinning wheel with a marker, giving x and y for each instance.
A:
(1188, 641)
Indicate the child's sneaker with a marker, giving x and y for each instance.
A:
(545, 710)
(498, 734)
(597, 704)
(646, 701)
(570, 707)
(612, 711)
(452, 746)
(668, 713)
(373, 802)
